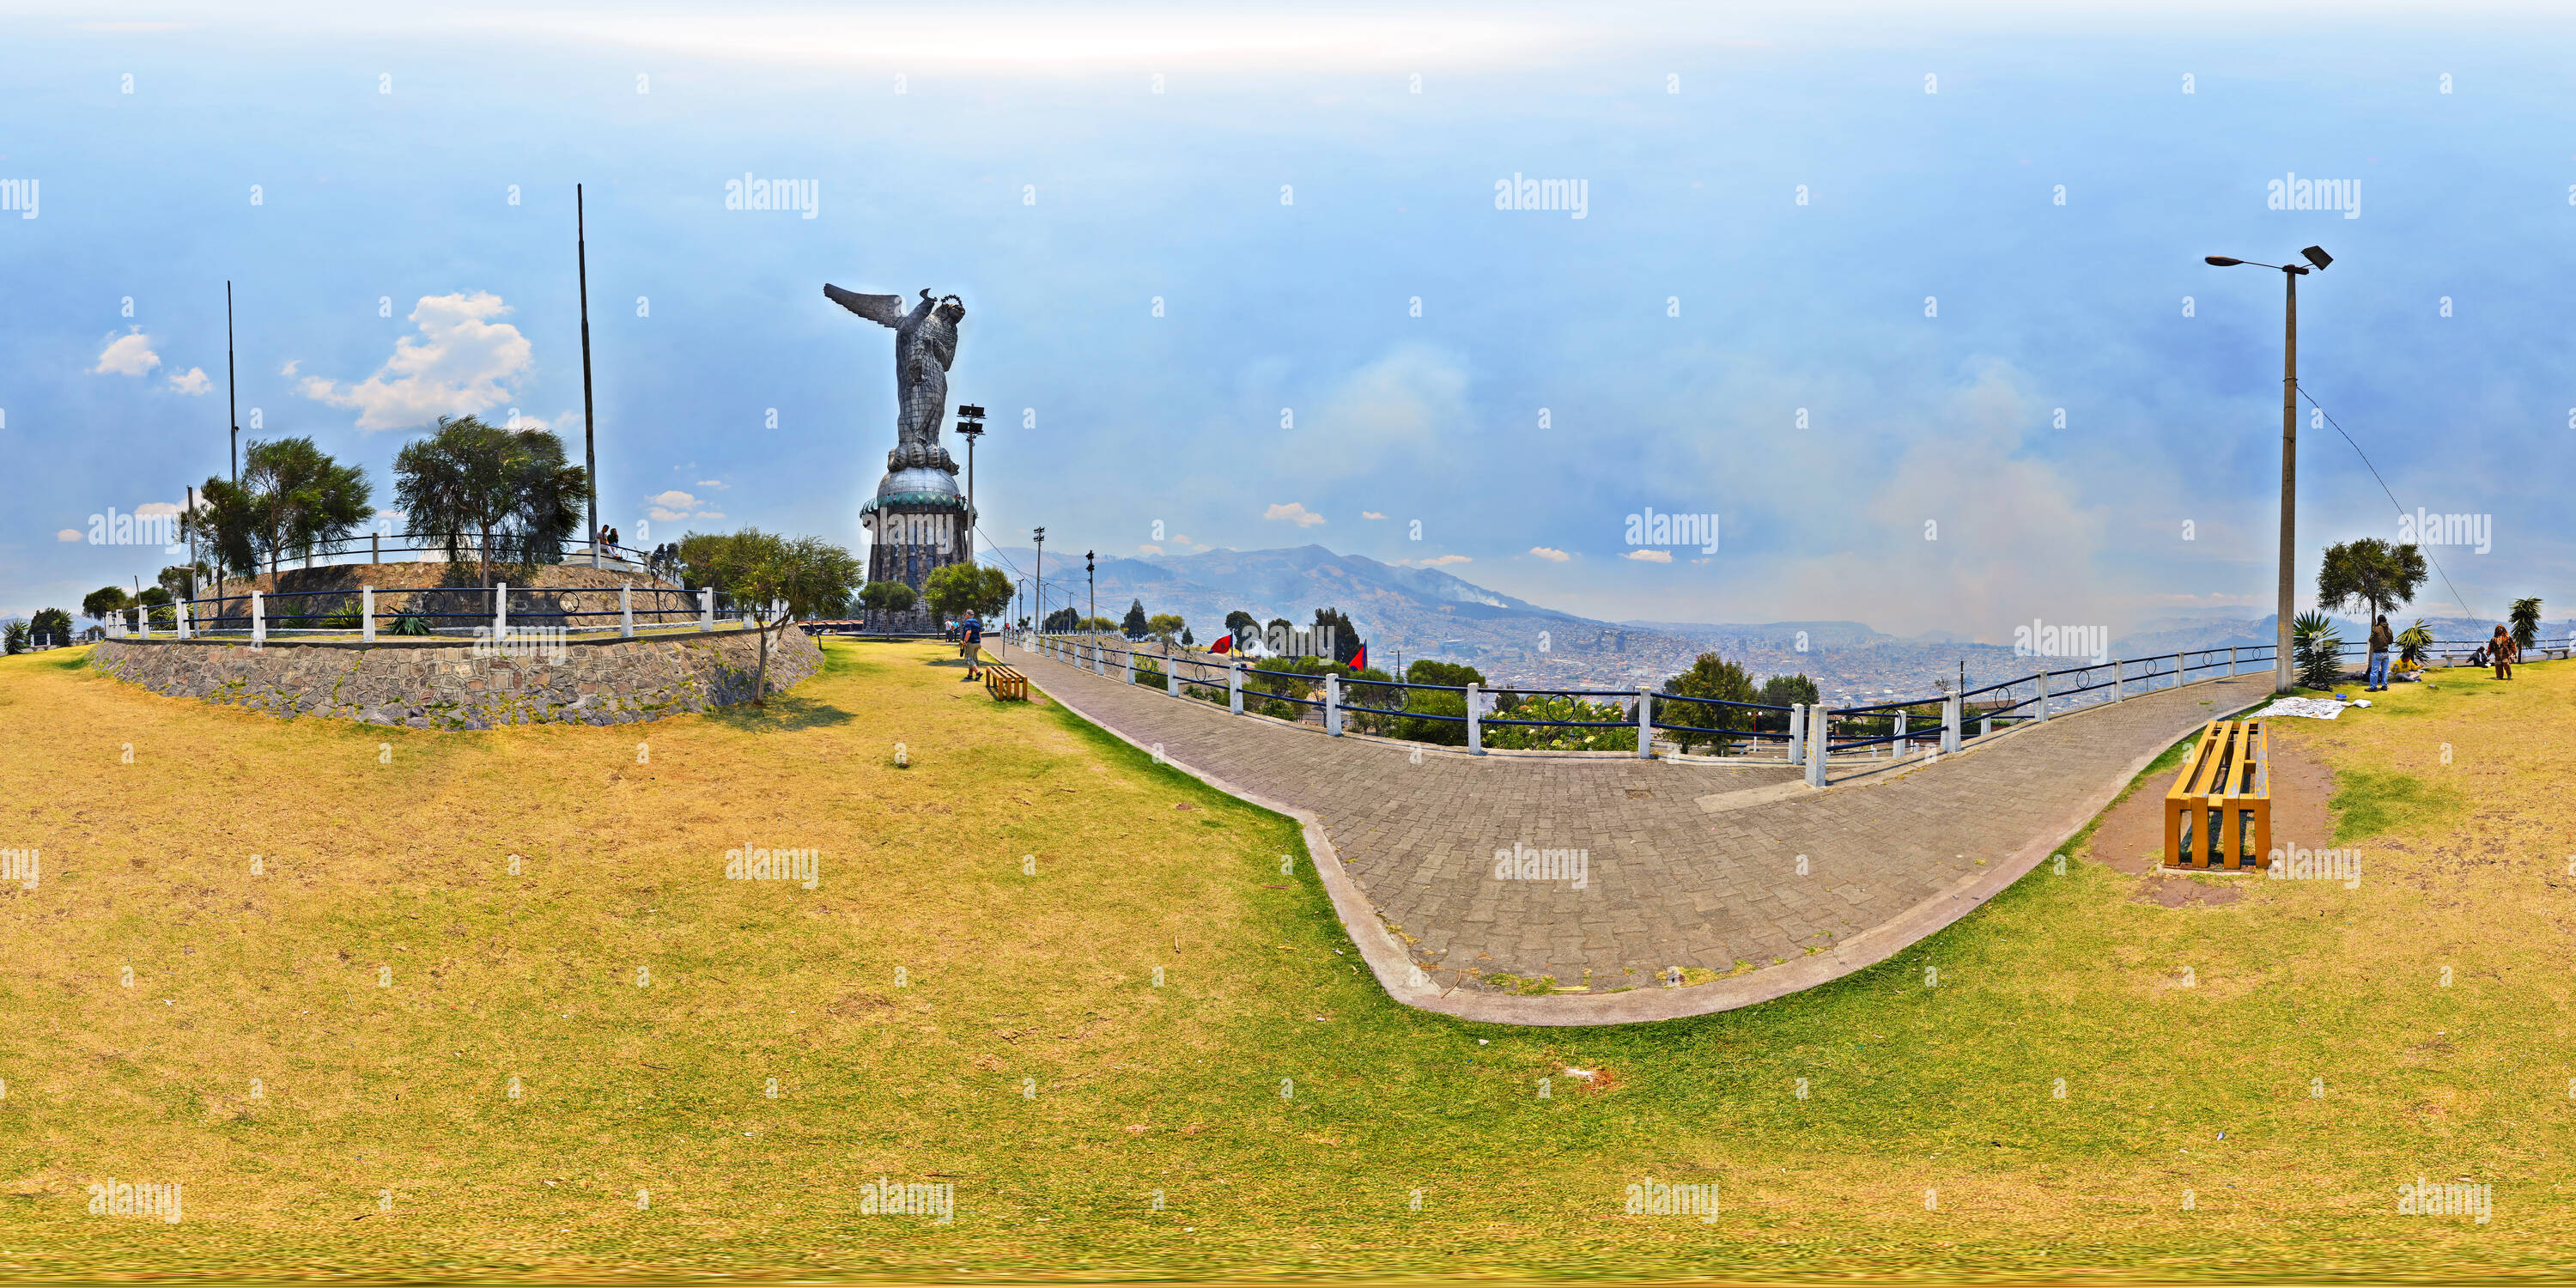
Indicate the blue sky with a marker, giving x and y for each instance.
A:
(1287, 195)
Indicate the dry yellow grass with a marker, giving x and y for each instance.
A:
(390, 850)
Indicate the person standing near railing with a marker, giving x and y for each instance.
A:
(2376, 681)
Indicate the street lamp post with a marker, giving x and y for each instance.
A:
(1093, 586)
(1038, 599)
(2282, 679)
(970, 426)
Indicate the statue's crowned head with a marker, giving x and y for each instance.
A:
(951, 309)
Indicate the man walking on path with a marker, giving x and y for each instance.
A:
(972, 629)
(2380, 638)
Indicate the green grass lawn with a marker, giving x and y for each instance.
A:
(384, 975)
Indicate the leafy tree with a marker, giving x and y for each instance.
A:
(1238, 620)
(1346, 637)
(105, 602)
(506, 496)
(962, 588)
(1785, 691)
(1097, 625)
(155, 602)
(296, 496)
(888, 597)
(1420, 705)
(1134, 626)
(222, 525)
(1062, 620)
(1186, 641)
(805, 577)
(2369, 573)
(52, 623)
(178, 579)
(2525, 616)
(1710, 677)
(1165, 626)
(2316, 651)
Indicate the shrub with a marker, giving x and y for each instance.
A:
(2316, 651)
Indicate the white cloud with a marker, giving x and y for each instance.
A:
(712, 483)
(676, 506)
(1294, 512)
(1371, 514)
(1149, 550)
(461, 362)
(127, 355)
(68, 534)
(151, 508)
(1445, 560)
(191, 381)
(1649, 556)
(289, 368)
(1549, 554)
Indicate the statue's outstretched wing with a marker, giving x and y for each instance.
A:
(887, 309)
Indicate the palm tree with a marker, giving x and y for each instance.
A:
(2525, 616)
(507, 496)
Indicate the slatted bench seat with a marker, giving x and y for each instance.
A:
(2218, 815)
(1005, 684)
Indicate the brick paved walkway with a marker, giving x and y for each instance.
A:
(1890, 856)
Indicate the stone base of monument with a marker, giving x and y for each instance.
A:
(467, 684)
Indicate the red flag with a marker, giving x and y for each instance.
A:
(1224, 644)
(1359, 659)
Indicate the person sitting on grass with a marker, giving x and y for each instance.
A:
(972, 632)
(2500, 653)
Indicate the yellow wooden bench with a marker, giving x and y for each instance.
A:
(1004, 683)
(2218, 815)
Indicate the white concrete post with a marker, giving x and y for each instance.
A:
(2179, 669)
(367, 614)
(626, 611)
(143, 621)
(2043, 691)
(1797, 733)
(1818, 737)
(2119, 681)
(258, 621)
(1475, 720)
(1903, 744)
(1234, 687)
(1985, 726)
(2231, 659)
(707, 608)
(500, 610)
(1172, 677)
(183, 619)
(1645, 722)
(1333, 705)
(1131, 666)
(1950, 722)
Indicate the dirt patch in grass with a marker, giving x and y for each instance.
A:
(2131, 836)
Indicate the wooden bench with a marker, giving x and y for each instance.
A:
(1005, 684)
(2218, 815)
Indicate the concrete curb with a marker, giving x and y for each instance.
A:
(1395, 971)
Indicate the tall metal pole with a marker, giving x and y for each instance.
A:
(2281, 679)
(1039, 599)
(589, 449)
(232, 395)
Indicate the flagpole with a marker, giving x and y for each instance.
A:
(589, 452)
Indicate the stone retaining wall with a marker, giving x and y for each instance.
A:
(467, 684)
